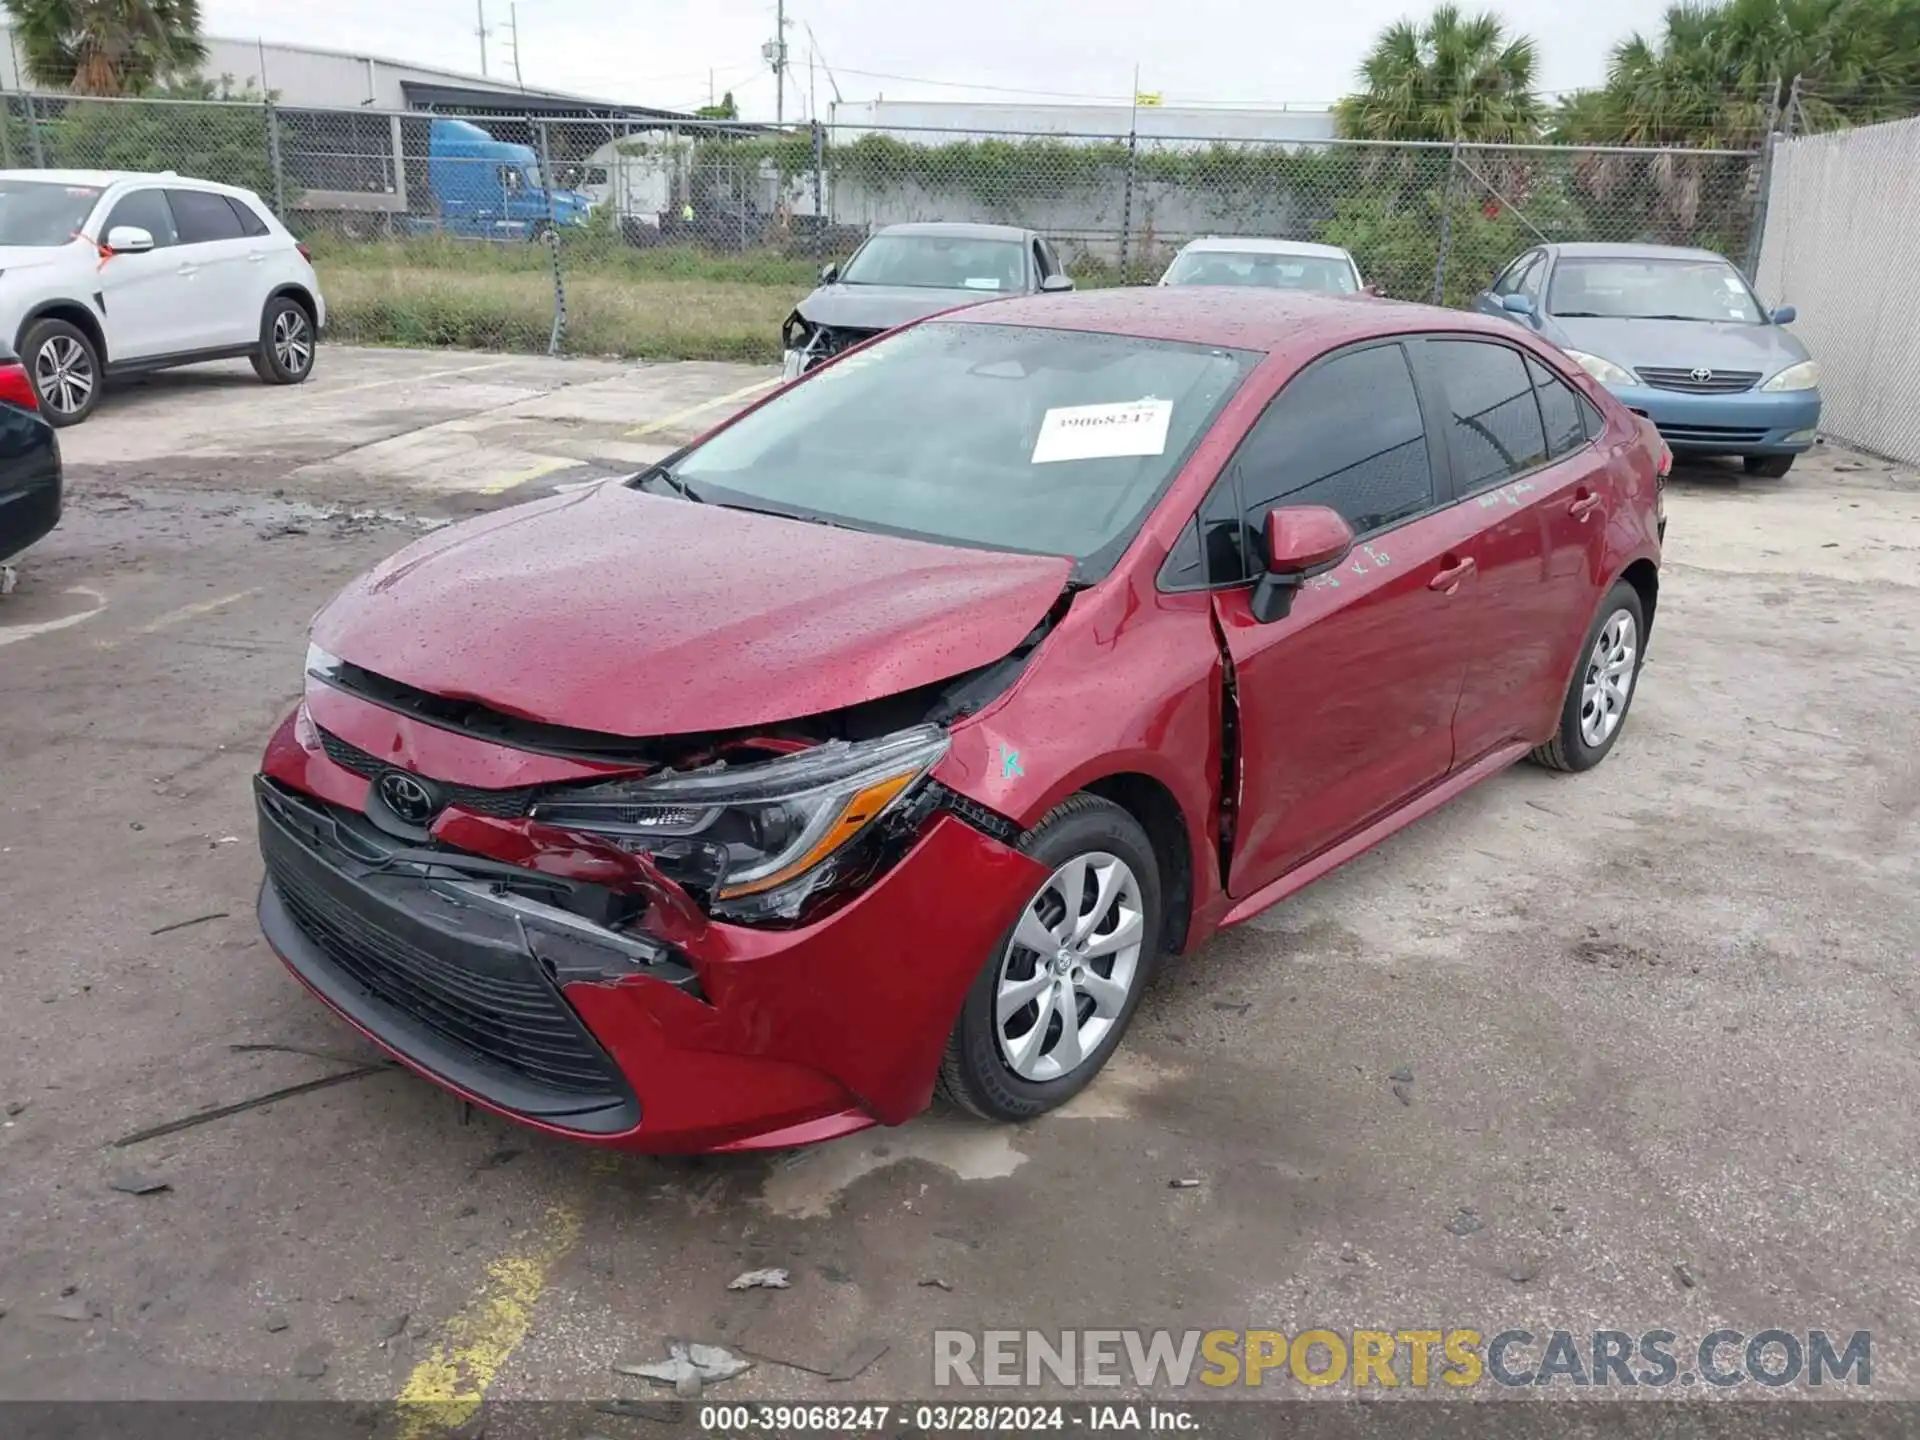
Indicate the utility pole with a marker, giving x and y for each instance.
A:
(774, 52)
(513, 28)
(480, 10)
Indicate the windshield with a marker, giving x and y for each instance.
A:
(38, 212)
(1328, 274)
(938, 262)
(1623, 289)
(532, 174)
(1051, 442)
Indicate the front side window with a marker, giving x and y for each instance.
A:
(938, 262)
(144, 210)
(1493, 417)
(1652, 289)
(1347, 434)
(1005, 437)
(41, 213)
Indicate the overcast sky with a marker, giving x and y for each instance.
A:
(660, 52)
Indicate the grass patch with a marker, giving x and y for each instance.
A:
(585, 253)
(653, 319)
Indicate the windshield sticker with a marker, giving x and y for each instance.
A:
(976, 282)
(1732, 283)
(1103, 432)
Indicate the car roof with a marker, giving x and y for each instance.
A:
(104, 178)
(957, 230)
(1260, 245)
(1274, 321)
(1601, 250)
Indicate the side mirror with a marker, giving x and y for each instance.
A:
(1375, 291)
(1302, 541)
(829, 274)
(1057, 282)
(129, 240)
(1516, 304)
(1785, 315)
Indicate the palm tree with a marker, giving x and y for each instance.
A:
(107, 47)
(1453, 77)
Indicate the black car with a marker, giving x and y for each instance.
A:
(907, 272)
(29, 461)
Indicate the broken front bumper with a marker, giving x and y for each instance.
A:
(666, 1036)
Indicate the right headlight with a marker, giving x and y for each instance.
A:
(1605, 371)
(749, 830)
(1804, 376)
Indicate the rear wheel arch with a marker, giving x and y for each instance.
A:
(1644, 576)
(301, 297)
(74, 313)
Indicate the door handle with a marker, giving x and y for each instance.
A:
(187, 268)
(255, 256)
(1585, 502)
(1448, 579)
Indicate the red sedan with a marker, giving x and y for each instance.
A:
(884, 740)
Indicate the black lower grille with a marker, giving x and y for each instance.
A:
(1699, 381)
(502, 804)
(494, 1006)
(1712, 434)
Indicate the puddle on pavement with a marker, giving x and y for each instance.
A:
(805, 1185)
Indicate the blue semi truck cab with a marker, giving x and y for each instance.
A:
(494, 189)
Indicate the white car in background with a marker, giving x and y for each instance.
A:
(108, 272)
(1266, 264)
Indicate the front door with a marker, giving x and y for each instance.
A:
(146, 303)
(1346, 704)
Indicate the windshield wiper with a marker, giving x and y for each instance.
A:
(1698, 319)
(672, 482)
(1579, 315)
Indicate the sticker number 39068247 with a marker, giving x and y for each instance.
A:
(1103, 432)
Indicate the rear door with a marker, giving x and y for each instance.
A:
(1346, 704)
(1534, 490)
(213, 250)
(145, 299)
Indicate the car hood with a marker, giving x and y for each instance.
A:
(638, 615)
(1719, 345)
(881, 307)
(20, 257)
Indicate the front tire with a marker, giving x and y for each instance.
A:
(286, 352)
(1595, 710)
(65, 368)
(1767, 467)
(1051, 1002)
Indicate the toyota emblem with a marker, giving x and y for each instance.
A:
(1702, 374)
(408, 798)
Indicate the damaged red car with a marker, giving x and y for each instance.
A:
(884, 740)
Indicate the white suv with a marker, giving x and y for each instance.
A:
(106, 272)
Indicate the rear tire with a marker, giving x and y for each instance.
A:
(287, 343)
(1603, 685)
(1022, 1063)
(65, 368)
(1767, 467)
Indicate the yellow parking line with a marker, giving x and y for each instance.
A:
(445, 1389)
(667, 422)
(546, 466)
(183, 614)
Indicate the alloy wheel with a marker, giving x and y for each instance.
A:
(63, 374)
(1609, 682)
(292, 344)
(1070, 967)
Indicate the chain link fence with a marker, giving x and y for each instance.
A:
(580, 234)
(1843, 247)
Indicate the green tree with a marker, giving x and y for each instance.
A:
(1450, 77)
(725, 110)
(107, 47)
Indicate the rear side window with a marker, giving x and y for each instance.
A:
(144, 210)
(1559, 410)
(251, 225)
(1347, 434)
(203, 217)
(1494, 422)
